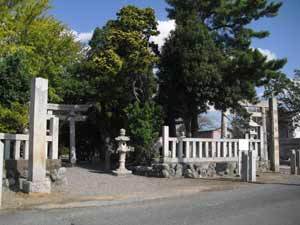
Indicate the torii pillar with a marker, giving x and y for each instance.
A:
(274, 153)
(72, 121)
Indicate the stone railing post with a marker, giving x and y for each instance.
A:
(7, 149)
(244, 166)
(243, 146)
(293, 163)
(26, 150)
(1, 170)
(165, 140)
(17, 150)
(54, 132)
(248, 167)
(298, 161)
(37, 181)
(180, 146)
(252, 166)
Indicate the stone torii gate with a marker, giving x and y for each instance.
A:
(71, 113)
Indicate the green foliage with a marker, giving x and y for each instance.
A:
(14, 119)
(288, 95)
(118, 70)
(15, 79)
(32, 44)
(145, 122)
(39, 45)
(239, 126)
(219, 67)
(190, 71)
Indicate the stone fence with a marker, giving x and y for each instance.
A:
(194, 150)
(16, 146)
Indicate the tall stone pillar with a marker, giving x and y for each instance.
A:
(274, 153)
(73, 158)
(37, 181)
(1, 169)
(54, 132)
(264, 145)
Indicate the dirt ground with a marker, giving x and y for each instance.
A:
(90, 184)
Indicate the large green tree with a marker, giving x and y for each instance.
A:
(235, 74)
(32, 44)
(288, 94)
(117, 75)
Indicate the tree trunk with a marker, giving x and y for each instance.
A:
(187, 124)
(172, 125)
(223, 125)
(194, 125)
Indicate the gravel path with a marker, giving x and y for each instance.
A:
(86, 182)
(92, 181)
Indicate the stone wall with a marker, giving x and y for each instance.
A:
(188, 170)
(18, 169)
(194, 170)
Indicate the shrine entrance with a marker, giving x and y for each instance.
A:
(73, 114)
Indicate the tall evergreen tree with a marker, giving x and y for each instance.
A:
(118, 77)
(239, 69)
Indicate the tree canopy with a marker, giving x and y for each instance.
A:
(221, 56)
(32, 44)
(117, 75)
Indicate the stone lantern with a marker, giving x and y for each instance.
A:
(122, 149)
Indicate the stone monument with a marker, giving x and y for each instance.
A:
(122, 149)
(37, 181)
(274, 156)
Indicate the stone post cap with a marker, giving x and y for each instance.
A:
(122, 132)
(243, 144)
(122, 136)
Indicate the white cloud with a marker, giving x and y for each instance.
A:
(266, 52)
(84, 37)
(164, 27)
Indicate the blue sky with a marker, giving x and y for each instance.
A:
(284, 41)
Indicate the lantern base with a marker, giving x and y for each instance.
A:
(121, 172)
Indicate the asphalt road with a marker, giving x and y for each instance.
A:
(263, 204)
